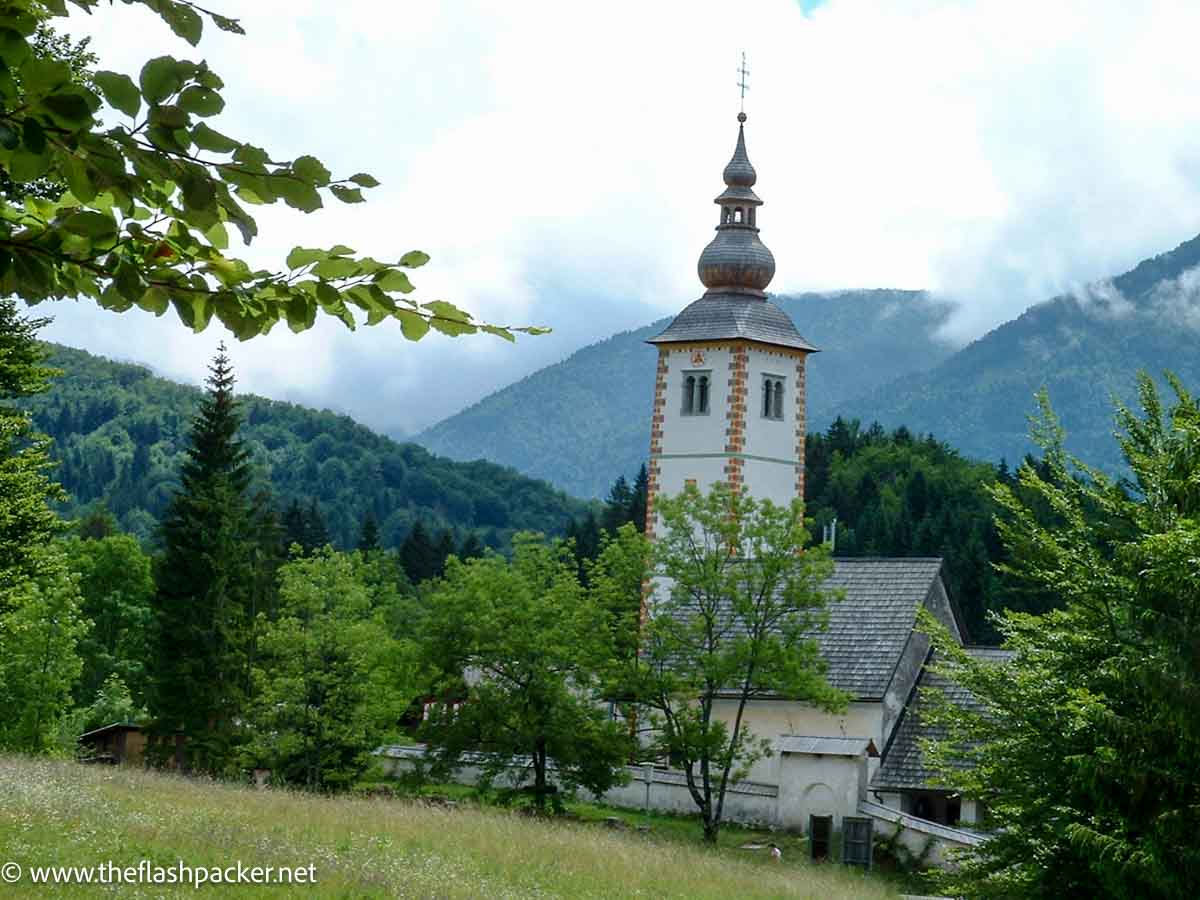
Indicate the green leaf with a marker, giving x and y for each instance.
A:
(201, 101)
(184, 21)
(340, 250)
(452, 328)
(33, 135)
(120, 91)
(198, 193)
(160, 78)
(336, 268)
(9, 138)
(41, 76)
(414, 259)
(14, 49)
(301, 256)
(327, 294)
(499, 332)
(297, 194)
(208, 139)
(70, 110)
(169, 116)
(227, 24)
(218, 236)
(394, 281)
(301, 313)
(412, 325)
(362, 179)
(444, 310)
(155, 300)
(77, 177)
(347, 195)
(311, 170)
(194, 311)
(91, 224)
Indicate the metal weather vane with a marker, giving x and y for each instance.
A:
(743, 72)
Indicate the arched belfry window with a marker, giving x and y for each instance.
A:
(695, 393)
(737, 215)
(772, 394)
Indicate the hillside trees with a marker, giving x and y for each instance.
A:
(40, 623)
(524, 644)
(153, 191)
(205, 603)
(330, 678)
(737, 602)
(116, 584)
(1086, 748)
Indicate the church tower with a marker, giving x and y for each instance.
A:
(729, 396)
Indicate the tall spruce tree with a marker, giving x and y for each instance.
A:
(368, 538)
(418, 556)
(637, 503)
(206, 589)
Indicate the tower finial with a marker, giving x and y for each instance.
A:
(742, 73)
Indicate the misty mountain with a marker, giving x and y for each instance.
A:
(1084, 348)
(580, 423)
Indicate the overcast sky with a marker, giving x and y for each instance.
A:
(558, 161)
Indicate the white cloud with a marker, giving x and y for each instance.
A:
(558, 161)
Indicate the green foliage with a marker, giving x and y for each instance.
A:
(207, 600)
(26, 519)
(330, 678)
(581, 422)
(525, 645)
(117, 589)
(154, 189)
(40, 630)
(1086, 746)
(121, 437)
(1083, 348)
(737, 601)
(895, 494)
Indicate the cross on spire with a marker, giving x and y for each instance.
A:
(742, 73)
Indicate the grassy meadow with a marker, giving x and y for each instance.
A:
(62, 813)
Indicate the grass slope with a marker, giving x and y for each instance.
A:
(61, 813)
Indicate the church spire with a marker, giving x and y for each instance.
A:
(736, 261)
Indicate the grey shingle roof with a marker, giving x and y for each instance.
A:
(724, 316)
(903, 766)
(869, 628)
(826, 746)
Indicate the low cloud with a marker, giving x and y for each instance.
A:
(995, 153)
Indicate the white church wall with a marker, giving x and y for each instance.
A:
(695, 433)
(814, 785)
(774, 438)
(770, 481)
(772, 719)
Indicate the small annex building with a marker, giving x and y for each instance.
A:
(121, 743)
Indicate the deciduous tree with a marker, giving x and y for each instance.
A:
(1085, 748)
(153, 190)
(526, 645)
(733, 617)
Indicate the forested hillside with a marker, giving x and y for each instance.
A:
(1083, 348)
(582, 422)
(120, 434)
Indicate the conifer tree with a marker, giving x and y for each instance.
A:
(471, 547)
(616, 505)
(637, 503)
(206, 583)
(316, 533)
(293, 525)
(368, 538)
(418, 555)
(442, 551)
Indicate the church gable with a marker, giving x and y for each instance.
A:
(870, 628)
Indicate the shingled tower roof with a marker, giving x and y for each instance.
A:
(736, 268)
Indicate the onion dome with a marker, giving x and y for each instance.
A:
(736, 261)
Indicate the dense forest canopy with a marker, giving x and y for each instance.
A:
(120, 432)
